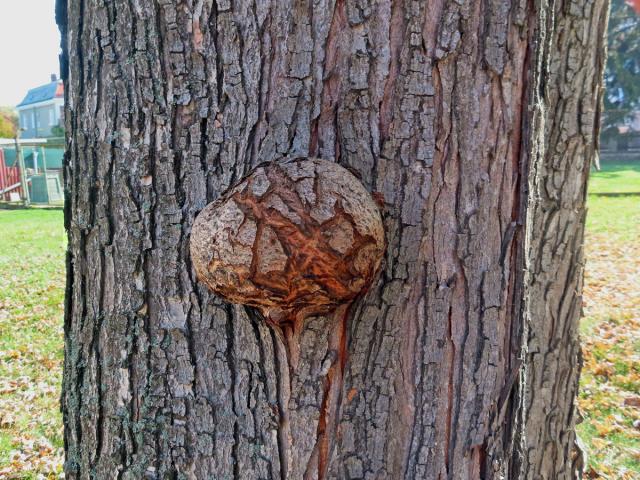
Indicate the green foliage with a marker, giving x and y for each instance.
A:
(622, 75)
(8, 122)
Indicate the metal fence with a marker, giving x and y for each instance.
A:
(31, 171)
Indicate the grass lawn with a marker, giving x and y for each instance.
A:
(616, 177)
(610, 385)
(31, 304)
(31, 298)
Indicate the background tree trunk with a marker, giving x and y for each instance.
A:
(453, 111)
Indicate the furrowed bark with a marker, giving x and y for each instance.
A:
(565, 139)
(437, 107)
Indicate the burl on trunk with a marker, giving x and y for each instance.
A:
(293, 239)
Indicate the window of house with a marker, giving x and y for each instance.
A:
(25, 120)
(52, 117)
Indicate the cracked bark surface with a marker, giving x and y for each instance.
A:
(476, 123)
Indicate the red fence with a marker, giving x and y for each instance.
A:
(9, 176)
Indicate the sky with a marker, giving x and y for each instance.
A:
(29, 47)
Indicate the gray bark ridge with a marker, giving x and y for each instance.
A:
(566, 124)
(169, 103)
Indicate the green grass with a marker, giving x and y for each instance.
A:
(618, 216)
(5, 447)
(616, 178)
(32, 246)
(611, 323)
(614, 200)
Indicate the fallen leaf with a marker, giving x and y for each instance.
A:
(632, 402)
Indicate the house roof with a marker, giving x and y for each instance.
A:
(43, 93)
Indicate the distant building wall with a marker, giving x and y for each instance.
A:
(38, 119)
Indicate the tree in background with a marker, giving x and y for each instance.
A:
(623, 63)
(8, 122)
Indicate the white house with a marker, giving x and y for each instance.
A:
(42, 109)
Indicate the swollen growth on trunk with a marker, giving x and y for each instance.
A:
(294, 239)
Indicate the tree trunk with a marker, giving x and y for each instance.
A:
(475, 121)
(565, 135)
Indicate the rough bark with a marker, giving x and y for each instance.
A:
(438, 107)
(565, 133)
